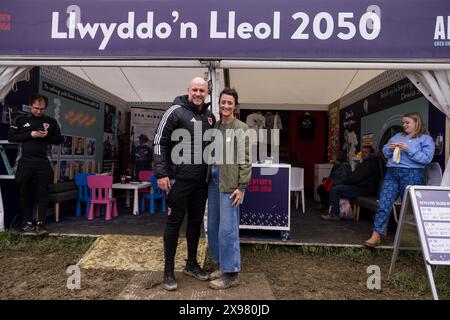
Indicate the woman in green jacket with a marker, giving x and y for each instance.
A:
(228, 176)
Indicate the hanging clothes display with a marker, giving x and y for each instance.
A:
(277, 124)
(269, 117)
(306, 127)
(256, 121)
(269, 125)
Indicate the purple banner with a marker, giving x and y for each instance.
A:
(266, 200)
(244, 29)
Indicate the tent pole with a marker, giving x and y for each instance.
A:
(212, 77)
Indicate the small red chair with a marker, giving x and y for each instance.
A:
(100, 194)
(144, 176)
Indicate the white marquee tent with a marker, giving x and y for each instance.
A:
(289, 79)
(295, 89)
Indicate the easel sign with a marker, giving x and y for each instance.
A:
(2, 213)
(431, 208)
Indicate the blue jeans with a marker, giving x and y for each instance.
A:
(338, 192)
(223, 227)
(394, 184)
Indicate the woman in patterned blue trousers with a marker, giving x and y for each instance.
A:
(408, 153)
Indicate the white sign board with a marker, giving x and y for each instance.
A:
(431, 209)
(2, 214)
(431, 206)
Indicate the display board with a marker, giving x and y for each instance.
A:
(2, 224)
(80, 117)
(430, 206)
(266, 202)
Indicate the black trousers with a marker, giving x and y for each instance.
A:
(190, 197)
(33, 179)
(323, 195)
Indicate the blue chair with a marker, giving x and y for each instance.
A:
(84, 193)
(156, 193)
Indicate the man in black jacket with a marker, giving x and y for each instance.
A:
(181, 173)
(362, 182)
(35, 132)
(142, 156)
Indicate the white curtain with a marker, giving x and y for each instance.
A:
(435, 86)
(8, 78)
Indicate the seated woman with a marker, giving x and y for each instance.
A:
(408, 152)
(339, 172)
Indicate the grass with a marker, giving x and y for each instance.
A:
(410, 269)
(318, 250)
(409, 274)
(12, 241)
(412, 276)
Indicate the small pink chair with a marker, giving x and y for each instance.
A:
(100, 190)
(145, 176)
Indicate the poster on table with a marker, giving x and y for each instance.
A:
(266, 200)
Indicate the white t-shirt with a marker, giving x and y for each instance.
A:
(277, 124)
(256, 121)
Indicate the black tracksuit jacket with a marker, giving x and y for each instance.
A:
(182, 115)
(34, 149)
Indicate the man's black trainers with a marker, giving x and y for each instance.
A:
(28, 228)
(227, 280)
(40, 228)
(169, 282)
(194, 270)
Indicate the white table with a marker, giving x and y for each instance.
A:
(135, 187)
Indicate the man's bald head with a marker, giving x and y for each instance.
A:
(197, 91)
(198, 81)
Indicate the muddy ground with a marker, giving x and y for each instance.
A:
(32, 268)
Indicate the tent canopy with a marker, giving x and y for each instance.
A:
(314, 89)
(140, 84)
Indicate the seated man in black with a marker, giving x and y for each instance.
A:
(362, 182)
